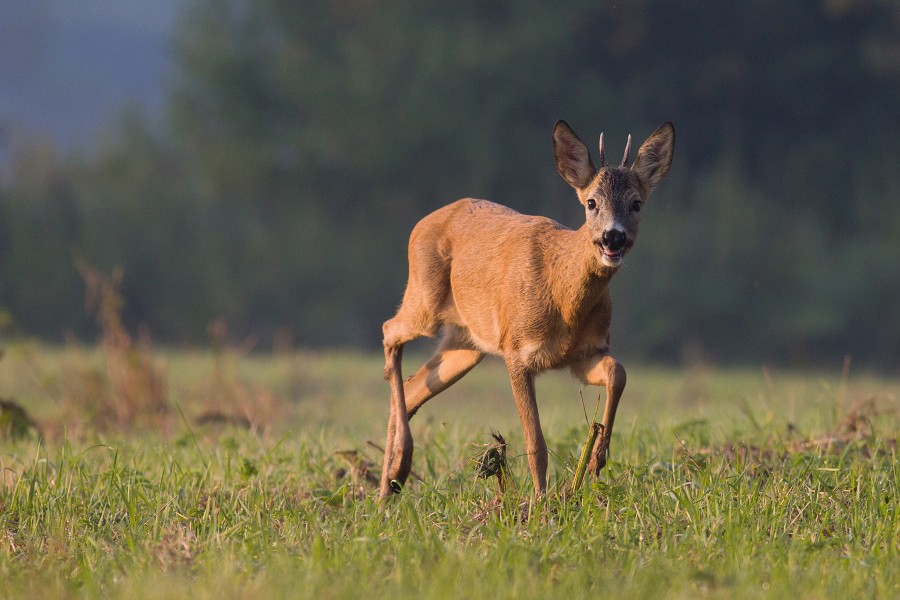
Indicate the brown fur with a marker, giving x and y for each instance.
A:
(525, 288)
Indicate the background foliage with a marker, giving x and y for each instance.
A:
(303, 140)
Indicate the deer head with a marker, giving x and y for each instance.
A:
(613, 196)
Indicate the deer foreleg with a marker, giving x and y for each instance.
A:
(535, 447)
(604, 370)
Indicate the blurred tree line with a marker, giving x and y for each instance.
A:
(303, 140)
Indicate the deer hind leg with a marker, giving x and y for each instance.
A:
(602, 369)
(427, 290)
(454, 357)
(398, 447)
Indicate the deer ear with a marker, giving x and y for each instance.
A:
(654, 157)
(573, 160)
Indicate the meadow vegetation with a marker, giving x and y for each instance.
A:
(250, 480)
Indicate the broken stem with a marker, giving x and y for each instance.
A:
(580, 470)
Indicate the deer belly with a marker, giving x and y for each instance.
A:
(478, 312)
(485, 335)
(543, 355)
(483, 329)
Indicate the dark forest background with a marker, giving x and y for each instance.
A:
(303, 140)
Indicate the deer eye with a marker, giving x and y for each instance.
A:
(636, 206)
(591, 204)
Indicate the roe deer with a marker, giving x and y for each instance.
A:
(528, 289)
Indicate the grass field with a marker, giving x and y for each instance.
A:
(219, 478)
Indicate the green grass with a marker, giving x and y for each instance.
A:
(225, 512)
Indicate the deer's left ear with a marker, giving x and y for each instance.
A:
(654, 158)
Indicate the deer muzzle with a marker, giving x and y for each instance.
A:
(612, 245)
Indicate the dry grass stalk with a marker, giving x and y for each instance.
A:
(131, 390)
(362, 471)
(580, 470)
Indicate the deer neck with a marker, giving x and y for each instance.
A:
(579, 279)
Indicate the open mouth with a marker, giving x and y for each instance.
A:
(609, 256)
(612, 258)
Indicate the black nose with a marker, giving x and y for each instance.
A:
(613, 239)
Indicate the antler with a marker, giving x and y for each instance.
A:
(602, 156)
(627, 150)
(624, 162)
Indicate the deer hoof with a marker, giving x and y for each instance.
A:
(599, 457)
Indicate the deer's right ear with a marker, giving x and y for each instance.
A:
(573, 160)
